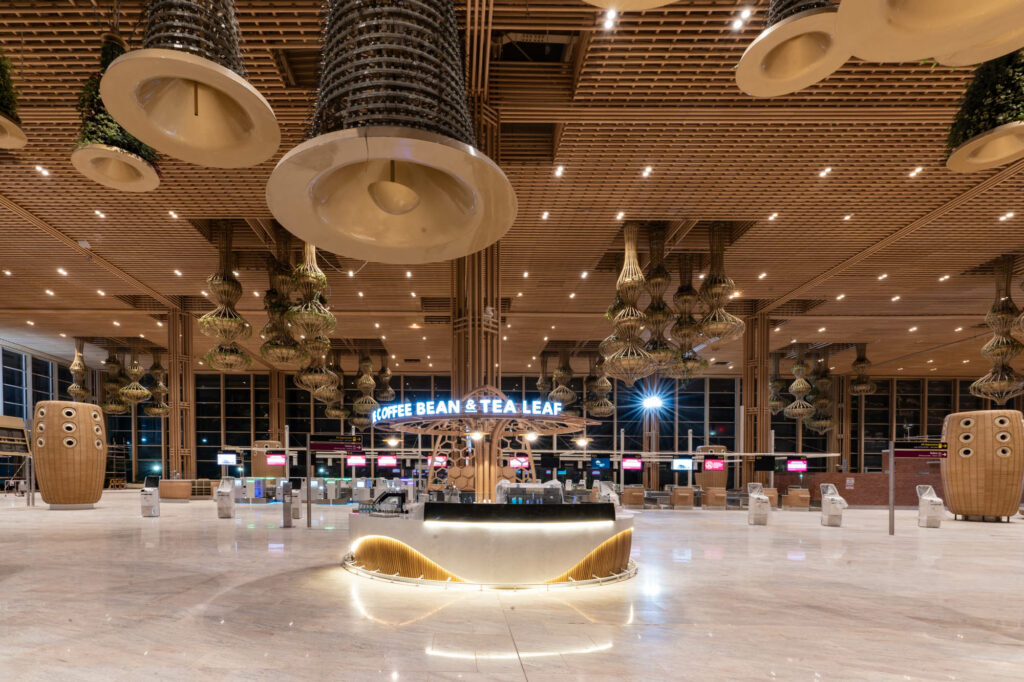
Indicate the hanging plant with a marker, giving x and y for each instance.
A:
(11, 134)
(104, 151)
(988, 130)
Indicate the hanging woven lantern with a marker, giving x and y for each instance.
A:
(391, 174)
(800, 46)
(384, 392)
(184, 93)
(561, 378)
(134, 392)
(687, 330)
(988, 130)
(776, 401)
(861, 384)
(159, 407)
(228, 357)
(224, 322)
(543, 380)
(658, 315)
(78, 370)
(360, 422)
(1001, 383)
(630, 361)
(718, 325)
(799, 409)
(11, 134)
(914, 30)
(629, 364)
(307, 277)
(104, 151)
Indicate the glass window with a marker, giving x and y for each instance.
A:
(42, 380)
(14, 384)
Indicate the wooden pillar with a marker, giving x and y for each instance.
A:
(651, 442)
(476, 321)
(181, 424)
(757, 424)
(277, 421)
(845, 419)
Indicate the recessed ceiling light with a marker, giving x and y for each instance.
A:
(545, 338)
(840, 297)
(200, 362)
(773, 216)
(895, 298)
(966, 361)
(173, 214)
(508, 325)
(778, 329)
(504, 338)
(700, 276)
(737, 23)
(376, 325)
(912, 329)
(620, 215)
(178, 273)
(235, 273)
(933, 369)
(351, 273)
(518, 295)
(762, 275)
(8, 273)
(413, 294)
(745, 14)
(824, 172)
(204, 293)
(408, 273)
(49, 292)
(711, 360)
(142, 336)
(62, 271)
(42, 171)
(559, 170)
(848, 217)
(116, 323)
(792, 340)
(917, 171)
(159, 323)
(526, 273)
(1006, 216)
(647, 171)
(930, 361)
(360, 294)
(64, 336)
(959, 329)
(899, 369)
(31, 323)
(943, 278)
(100, 213)
(821, 329)
(883, 275)
(572, 295)
(424, 338)
(544, 215)
(430, 364)
(101, 292)
(552, 326)
(382, 337)
(428, 357)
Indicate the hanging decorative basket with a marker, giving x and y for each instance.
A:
(104, 151)
(988, 130)
(11, 134)
(228, 357)
(391, 174)
(914, 30)
(800, 46)
(184, 93)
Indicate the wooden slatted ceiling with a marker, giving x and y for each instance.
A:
(655, 91)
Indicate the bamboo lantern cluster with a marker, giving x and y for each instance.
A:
(658, 315)
(224, 323)
(627, 360)
(364, 404)
(861, 384)
(821, 421)
(598, 389)
(561, 378)
(112, 402)
(77, 389)
(799, 409)
(776, 400)
(718, 324)
(159, 408)
(384, 392)
(1002, 383)
(312, 320)
(335, 398)
(279, 344)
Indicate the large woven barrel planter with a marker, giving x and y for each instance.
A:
(984, 470)
(69, 447)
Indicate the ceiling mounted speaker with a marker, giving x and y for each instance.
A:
(911, 30)
(988, 130)
(799, 47)
(184, 93)
(391, 174)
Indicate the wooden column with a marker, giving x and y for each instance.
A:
(757, 417)
(277, 421)
(476, 321)
(181, 423)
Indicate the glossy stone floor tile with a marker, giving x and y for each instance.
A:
(105, 594)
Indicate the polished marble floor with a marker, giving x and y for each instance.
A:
(105, 594)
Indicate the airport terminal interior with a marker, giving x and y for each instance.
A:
(506, 340)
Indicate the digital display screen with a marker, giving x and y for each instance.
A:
(632, 464)
(600, 463)
(682, 464)
(355, 461)
(387, 461)
(714, 465)
(519, 462)
(796, 465)
(275, 460)
(227, 459)
(438, 460)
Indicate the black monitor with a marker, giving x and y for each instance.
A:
(764, 463)
(600, 463)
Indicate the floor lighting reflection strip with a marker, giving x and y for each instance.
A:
(512, 526)
(466, 655)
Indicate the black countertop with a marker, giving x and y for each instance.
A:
(529, 513)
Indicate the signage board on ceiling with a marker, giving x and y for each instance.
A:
(921, 450)
(342, 443)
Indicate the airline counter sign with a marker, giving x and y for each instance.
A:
(474, 407)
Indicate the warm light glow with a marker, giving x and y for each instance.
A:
(652, 402)
(413, 294)
(848, 217)
(582, 441)
(912, 329)
(821, 329)
(8, 273)
(64, 336)
(824, 172)
(42, 171)
(392, 441)
(773, 216)
(778, 329)
(895, 298)
(620, 215)
(544, 215)
(62, 271)
(959, 329)
(647, 171)
(917, 171)
(173, 214)
(360, 294)
(943, 278)
(572, 295)
(49, 292)
(531, 436)
(476, 435)
(745, 14)
(100, 213)
(883, 275)
(204, 293)
(31, 323)
(526, 274)
(840, 297)
(762, 275)
(159, 323)
(178, 273)
(101, 292)
(256, 294)
(559, 170)
(737, 24)
(930, 362)
(584, 274)
(351, 273)
(116, 323)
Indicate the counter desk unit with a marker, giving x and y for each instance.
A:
(499, 545)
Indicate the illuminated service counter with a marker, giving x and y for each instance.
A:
(495, 544)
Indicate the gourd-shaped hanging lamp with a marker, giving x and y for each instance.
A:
(224, 322)
(821, 421)
(77, 389)
(384, 392)
(364, 404)
(185, 93)
(630, 361)
(718, 325)
(159, 408)
(861, 384)
(658, 315)
(988, 130)
(776, 385)
(105, 152)
(686, 330)
(279, 344)
(134, 392)
(800, 46)
(561, 378)
(799, 409)
(543, 380)
(1001, 383)
(11, 134)
(913, 30)
(391, 174)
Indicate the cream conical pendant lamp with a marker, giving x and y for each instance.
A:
(988, 130)
(1010, 40)
(105, 152)
(184, 93)
(391, 174)
(11, 134)
(912, 30)
(629, 5)
(800, 46)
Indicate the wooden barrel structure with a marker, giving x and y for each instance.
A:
(983, 473)
(69, 448)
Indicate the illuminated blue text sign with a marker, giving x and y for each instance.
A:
(481, 406)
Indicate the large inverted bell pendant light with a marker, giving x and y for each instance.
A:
(11, 134)
(105, 152)
(988, 130)
(800, 46)
(391, 174)
(629, 5)
(185, 93)
(912, 30)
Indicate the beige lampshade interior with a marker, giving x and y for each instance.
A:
(115, 168)
(11, 134)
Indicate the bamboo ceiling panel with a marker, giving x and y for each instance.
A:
(657, 90)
